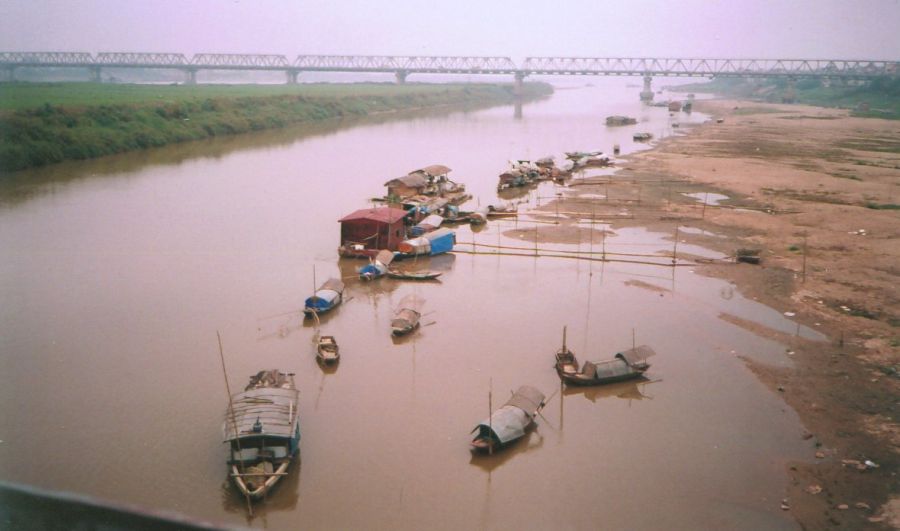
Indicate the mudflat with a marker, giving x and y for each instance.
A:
(815, 192)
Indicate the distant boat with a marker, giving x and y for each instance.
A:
(413, 275)
(510, 421)
(642, 137)
(479, 216)
(329, 295)
(407, 315)
(430, 223)
(378, 266)
(431, 243)
(502, 211)
(623, 366)
(262, 427)
(620, 120)
(327, 350)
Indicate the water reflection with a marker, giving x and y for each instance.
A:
(20, 186)
(533, 440)
(631, 390)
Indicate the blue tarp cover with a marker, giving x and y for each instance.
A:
(322, 300)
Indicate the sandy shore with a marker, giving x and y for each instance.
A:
(816, 191)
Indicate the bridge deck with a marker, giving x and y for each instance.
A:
(403, 65)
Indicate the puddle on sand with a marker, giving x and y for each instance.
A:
(707, 197)
(700, 232)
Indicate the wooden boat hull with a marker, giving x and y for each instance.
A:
(258, 492)
(579, 379)
(413, 276)
(328, 358)
(405, 330)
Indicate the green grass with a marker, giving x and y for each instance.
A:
(882, 96)
(18, 96)
(52, 122)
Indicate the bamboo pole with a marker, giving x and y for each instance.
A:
(233, 419)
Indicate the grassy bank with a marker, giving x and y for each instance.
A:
(52, 122)
(878, 99)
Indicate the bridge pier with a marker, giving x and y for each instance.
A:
(95, 74)
(400, 75)
(292, 75)
(647, 93)
(190, 76)
(518, 84)
(790, 91)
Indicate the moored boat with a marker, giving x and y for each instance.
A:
(625, 365)
(327, 350)
(407, 315)
(431, 243)
(509, 422)
(378, 266)
(329, 295)
(262, 428)
(413, 275)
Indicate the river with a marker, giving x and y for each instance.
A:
(116, 274)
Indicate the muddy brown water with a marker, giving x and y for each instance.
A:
(116, 274)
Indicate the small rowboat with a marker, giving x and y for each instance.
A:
(413, 275)
(327, 350)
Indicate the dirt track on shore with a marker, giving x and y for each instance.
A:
(816, 192)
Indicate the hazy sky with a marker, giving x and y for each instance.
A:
(803, 29)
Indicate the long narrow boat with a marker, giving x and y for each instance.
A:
(510, 421)
(413, 275)
(262, 428)
(325, 298)
(623, 366)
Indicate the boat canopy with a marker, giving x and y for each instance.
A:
(636, 356)
(384, 257)
(416, 246)
(435, 170)
(333, 284)
(507, 424)
(602, 370)
(526, 398)
(375, 269)
(411, 302)
(405, 318)
(323, 299)
(413, 180)
(432, 221)
(274, 408)
(441, 240)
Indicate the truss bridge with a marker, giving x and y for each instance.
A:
(403, 66)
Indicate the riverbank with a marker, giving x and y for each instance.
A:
(47, 123)
(814, 190)
(879, 98)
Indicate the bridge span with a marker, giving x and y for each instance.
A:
(403, 66)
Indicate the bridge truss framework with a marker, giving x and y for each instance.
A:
(402, 66)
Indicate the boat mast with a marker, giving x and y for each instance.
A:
(564, 339)
(233, 420)
(490, 420)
